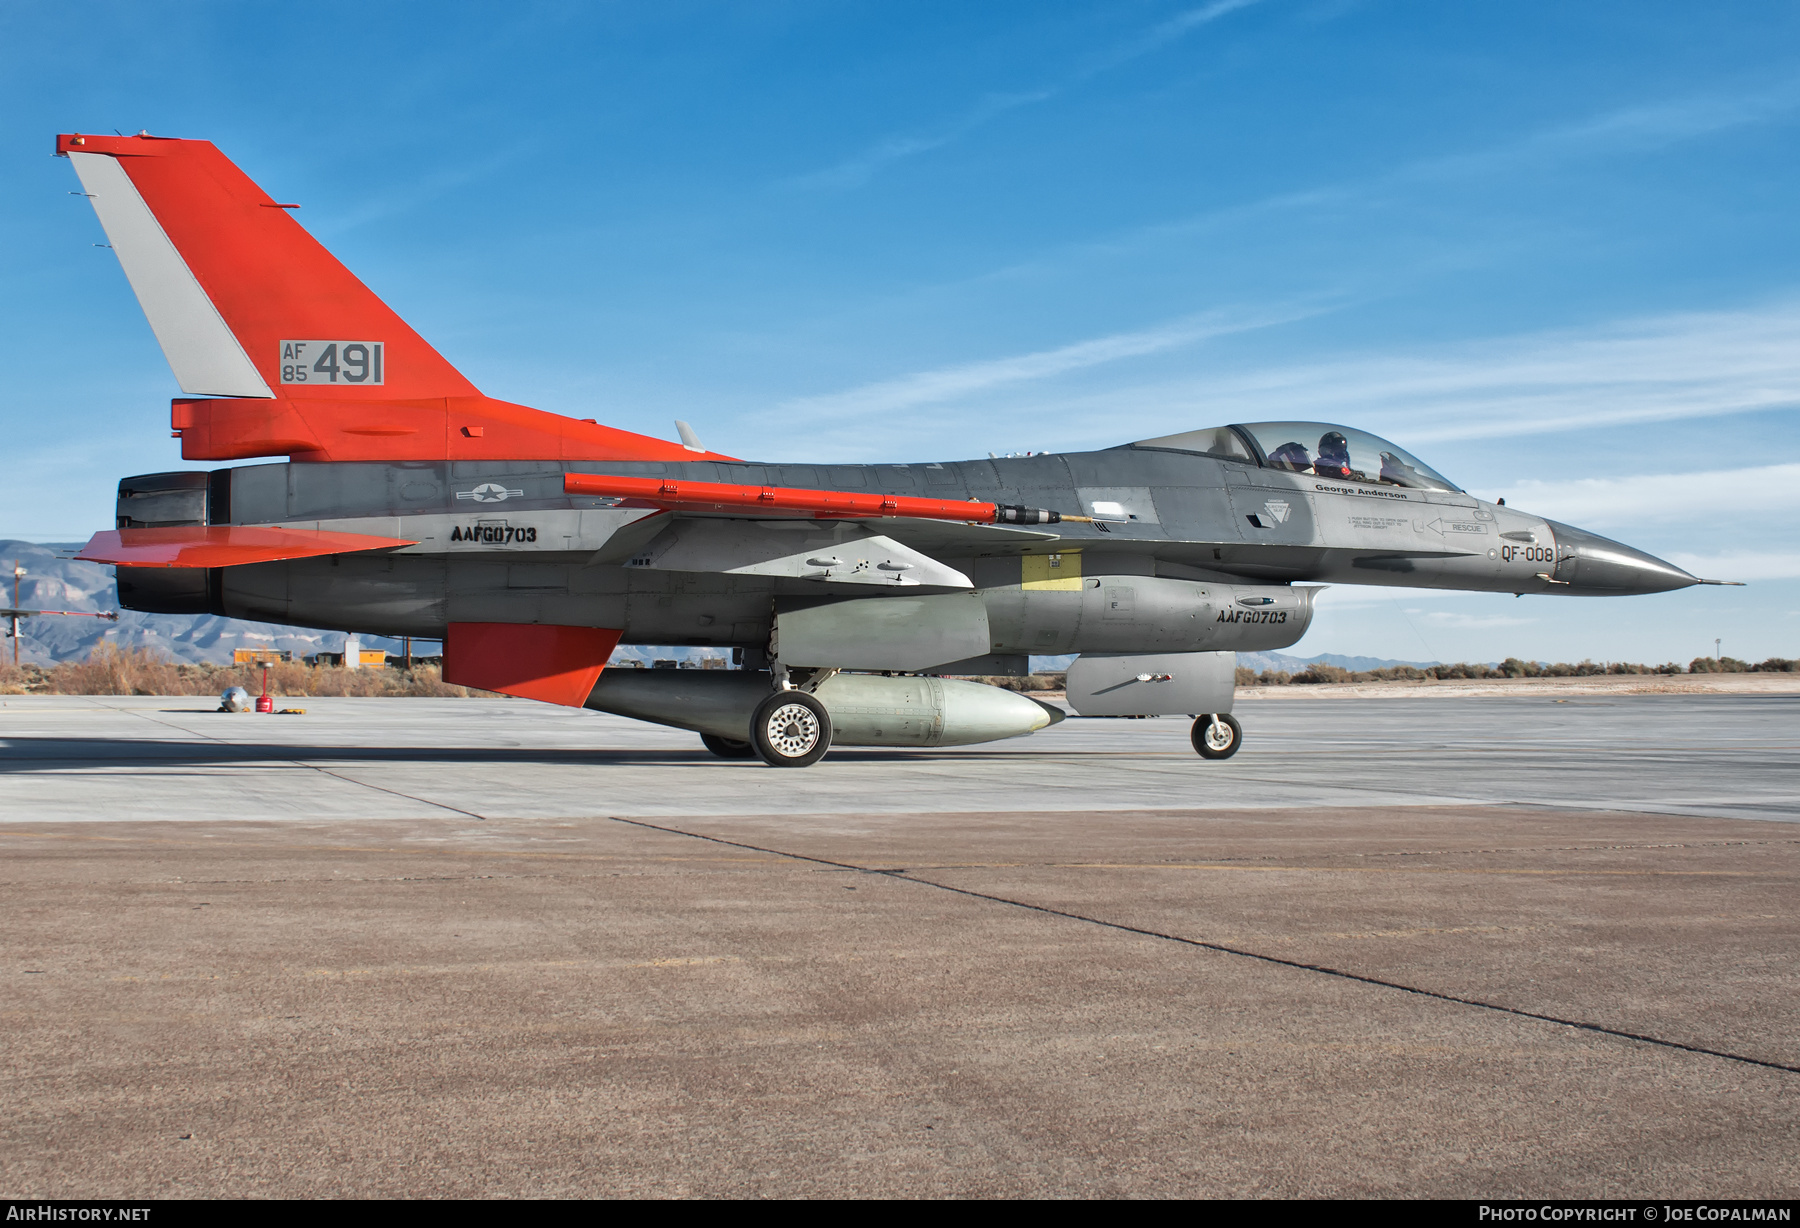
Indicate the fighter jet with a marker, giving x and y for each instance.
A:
(851, 596)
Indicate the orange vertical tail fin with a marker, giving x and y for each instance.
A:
(280, 346)
(194, 231)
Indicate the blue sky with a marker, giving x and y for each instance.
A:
(1550, 248)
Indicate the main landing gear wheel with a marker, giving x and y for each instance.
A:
(791, 729)
(1217, 736)
(727, 748)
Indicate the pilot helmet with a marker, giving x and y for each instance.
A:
(1333, 446)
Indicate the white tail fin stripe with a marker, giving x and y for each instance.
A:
(206, 358)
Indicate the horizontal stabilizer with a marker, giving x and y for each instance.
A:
(223, 545)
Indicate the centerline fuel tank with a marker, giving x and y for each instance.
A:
(866, 709)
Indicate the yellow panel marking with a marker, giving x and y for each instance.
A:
(1050, 571)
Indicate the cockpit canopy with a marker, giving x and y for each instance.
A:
(1341, 453)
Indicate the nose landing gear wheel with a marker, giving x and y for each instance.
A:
(727, 748)
(1217, 736)
(791, 729)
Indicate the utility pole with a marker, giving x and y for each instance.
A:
(1717, 655)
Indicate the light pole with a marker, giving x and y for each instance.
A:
(15, 613)
(1717, 655)
(18, 571)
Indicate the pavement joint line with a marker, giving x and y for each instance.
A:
(1270, 861)
(480, 818)
(901, 874)
(424, 801)
(1307, 869)
(1592, 848)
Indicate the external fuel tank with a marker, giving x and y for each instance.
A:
(866, 709)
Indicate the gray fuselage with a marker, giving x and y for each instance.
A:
(1191, 552)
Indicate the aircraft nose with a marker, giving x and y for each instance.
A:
(1600, 567)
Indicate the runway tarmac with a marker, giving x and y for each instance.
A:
(1464, 947)
(102, 758)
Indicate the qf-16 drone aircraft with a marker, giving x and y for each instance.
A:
(533, 544)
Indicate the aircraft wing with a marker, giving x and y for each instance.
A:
(834, 552)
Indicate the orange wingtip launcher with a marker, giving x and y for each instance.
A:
(725, 496)
(820, 504)
(223, 545)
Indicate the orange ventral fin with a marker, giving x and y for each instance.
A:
(223, 545)
(555, 664)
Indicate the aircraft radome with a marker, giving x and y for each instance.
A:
(409, 503)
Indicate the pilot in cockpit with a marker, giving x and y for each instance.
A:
(1290, 456)
(1334, 458)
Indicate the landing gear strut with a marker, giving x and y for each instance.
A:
(791, 729)
(1217, 735)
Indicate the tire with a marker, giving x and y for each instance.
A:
(727, 748)
(791, 729)
(1217, 742)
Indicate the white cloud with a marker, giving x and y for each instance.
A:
(1627, 128)
(859, 168)
(959, 383)
(1652, 369)
(1741, 565)
(1687, 367)
(406, 194)
(1658, 369)
(1740, 493)
(1168, 32)
(1651, 125)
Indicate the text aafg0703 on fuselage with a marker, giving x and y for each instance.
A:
(410, 503)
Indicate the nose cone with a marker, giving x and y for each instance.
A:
(1596, 566)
